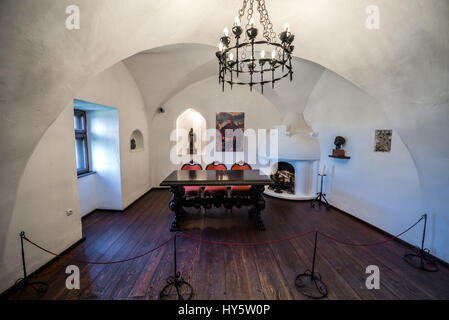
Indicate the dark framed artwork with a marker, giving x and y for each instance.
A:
(230, 128)
(383, 140)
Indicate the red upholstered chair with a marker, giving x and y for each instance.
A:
(192, 191)
(240, 190)
(211, 190)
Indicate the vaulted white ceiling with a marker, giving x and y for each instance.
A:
(163, 72)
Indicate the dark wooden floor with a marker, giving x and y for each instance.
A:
(215, 272)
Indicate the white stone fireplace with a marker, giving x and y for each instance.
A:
(299, 151)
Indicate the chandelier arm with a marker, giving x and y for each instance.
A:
(283, 62)
(242, 44)
(279, 64)
(264, 82)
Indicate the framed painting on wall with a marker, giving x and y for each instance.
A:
(230, 128)
(383, 140)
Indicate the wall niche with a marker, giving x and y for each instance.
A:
(136, 141)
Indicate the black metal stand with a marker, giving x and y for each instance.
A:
(39, 286)
(422, 259)
(183, 289)
(309, 283)
(321, 197)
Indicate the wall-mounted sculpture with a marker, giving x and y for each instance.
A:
(136, 140)
(133, 144)
(339, 142)
(339, 152)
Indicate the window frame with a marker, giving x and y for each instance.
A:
(83, 134)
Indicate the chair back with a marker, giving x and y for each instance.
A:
(216, 166)
(241, 166)
(192, 166)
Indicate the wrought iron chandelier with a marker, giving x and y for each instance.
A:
(238, 63)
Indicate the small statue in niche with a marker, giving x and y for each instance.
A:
(339, 152)
(192, 140)
(133, 144)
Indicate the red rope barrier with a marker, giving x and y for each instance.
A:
(369, 244)
(243, 244)
(93, 262)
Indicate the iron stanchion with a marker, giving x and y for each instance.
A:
(183, 289)
(309, 283)
(38, 286)
(321, 197)
(421, 259)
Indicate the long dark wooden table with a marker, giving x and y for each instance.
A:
(183, 178)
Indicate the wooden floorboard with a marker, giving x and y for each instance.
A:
(224, 272)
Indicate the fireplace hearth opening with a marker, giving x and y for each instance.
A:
(283, 178)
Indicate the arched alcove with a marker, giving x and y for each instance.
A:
(190, 125)
(136, 141)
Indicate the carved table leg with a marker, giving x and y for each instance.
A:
(176, 207)
(258, 204)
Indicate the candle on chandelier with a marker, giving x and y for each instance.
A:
(226, 32)
(220, 46)
(251, 22)
(287, 27)
(237, 22)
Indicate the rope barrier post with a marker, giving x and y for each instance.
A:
(25, 276)
(38, 286)
(421, 259)
(309, 283)
(321, 197)
(184, 290)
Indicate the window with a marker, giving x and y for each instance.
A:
(81, 145)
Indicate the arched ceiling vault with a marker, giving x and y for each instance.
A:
(163, 72)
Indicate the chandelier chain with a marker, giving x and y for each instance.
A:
(247, 26)
(250, 14)
(265, 21)
(242, 10)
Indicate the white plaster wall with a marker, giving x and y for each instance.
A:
(49, 185)
(47, 189)
(380, 188)
(87, 194)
